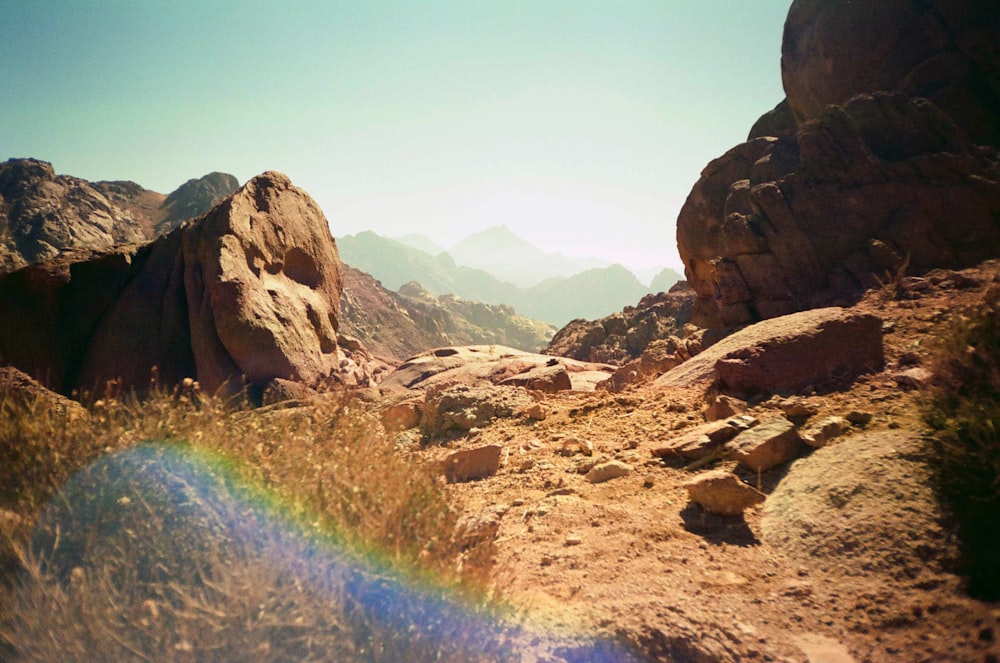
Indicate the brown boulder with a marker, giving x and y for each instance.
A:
(547, 379)
(460, 408)
(471, 464)
(704, 439)
(488, 365)
(18, 390)
(722, 492)
(787, 353)
(247, 292)
(772, 443)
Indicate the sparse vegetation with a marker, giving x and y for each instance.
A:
(963, 412)
(177, 529)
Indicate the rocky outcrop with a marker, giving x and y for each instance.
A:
(42, 214)
(899, 173)
(624, 336)
(790, 353)
(247, 292)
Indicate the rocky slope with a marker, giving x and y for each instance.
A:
(397, 325)
(594, 507)
(42, 213)
(248, 291)
(882, 159)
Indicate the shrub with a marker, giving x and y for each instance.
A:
(963, 412)
(177, 529)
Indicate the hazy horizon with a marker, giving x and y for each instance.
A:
(580, 126)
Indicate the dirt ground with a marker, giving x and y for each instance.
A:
(847, 560)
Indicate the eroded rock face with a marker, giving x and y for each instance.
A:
(249, 291)
(883, 158)
(262, 278)
(942, 50)
(880, 184)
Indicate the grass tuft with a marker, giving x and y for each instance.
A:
(175, 528)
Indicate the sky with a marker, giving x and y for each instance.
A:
(580, 125)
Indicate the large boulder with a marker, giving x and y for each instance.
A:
(788, 353)
(881, 184)
(882, 158)
(247, 292)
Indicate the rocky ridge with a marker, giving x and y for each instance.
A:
(42, 214)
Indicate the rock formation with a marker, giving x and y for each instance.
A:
(248, 291)
(42, 213)
(624, 336)
(901, 172)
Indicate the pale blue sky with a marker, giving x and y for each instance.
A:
(580, 125)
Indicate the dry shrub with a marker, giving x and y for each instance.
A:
(177, 529)
(963, 412)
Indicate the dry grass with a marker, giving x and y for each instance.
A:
(178, 529)
(963, 411)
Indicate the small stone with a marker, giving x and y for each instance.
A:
(574, 540)
(859, 418)
(648, 481)
(912, 378)
(584, 465)
(538, 412)
(574, 446)
(798, 408)
(607, 471)
(471, 464)
(822, 433)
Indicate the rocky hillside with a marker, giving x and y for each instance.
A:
(397, 325)
(882, 159)
(42, 213)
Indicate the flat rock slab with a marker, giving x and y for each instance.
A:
(787, 353)
(548, 379)
(703, 440)
(772, 443)
(471, 464)
(722, 492)
(491, 364)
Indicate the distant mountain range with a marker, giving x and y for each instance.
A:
(587, 293)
